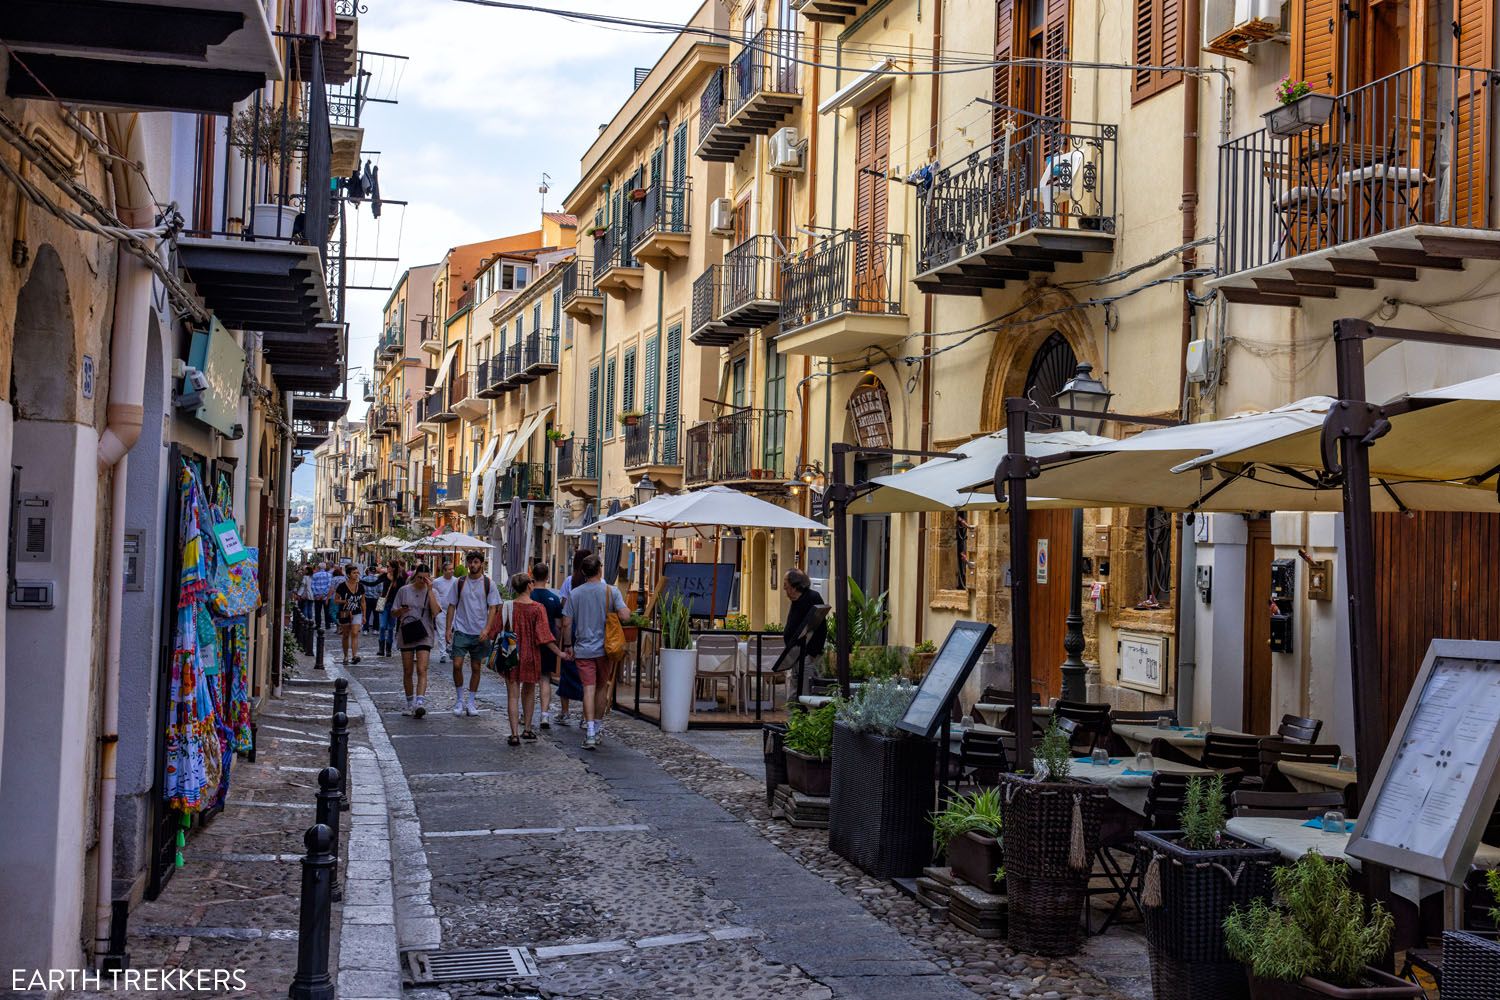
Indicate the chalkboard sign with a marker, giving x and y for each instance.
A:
(694, 582)
(949, 670)
(1440, 777)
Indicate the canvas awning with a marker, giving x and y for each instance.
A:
(507, 454)
(862, 88)
(445, 367)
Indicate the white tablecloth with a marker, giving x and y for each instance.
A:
(1140, 737)
(1127, 789)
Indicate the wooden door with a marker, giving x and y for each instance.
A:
(1475, 25)
(1256, 716)
(872, 159)
(1052, 532)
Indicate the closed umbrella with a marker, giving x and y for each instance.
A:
(586, 536)
(612, 546)
(513, 536)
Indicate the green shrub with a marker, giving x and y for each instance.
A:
(1492, 881)
(868, 616)
(976, 813)
(877, 706)
(925, 646)
(877, 662)
(1203, 812)
(673, 612)
(810, 731)
(1317, 927)
(1054, 753)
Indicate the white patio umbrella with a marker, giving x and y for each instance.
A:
(387, 542)
(944, 483)
(441, 544)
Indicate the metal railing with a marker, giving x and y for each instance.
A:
(744, 445)
(456, 484)
(849, 272)
(577, 280)
(697, 466)
(514, 364)
(577, 458)
(541, 351)
(612, 247)
(642, 675)
(527, 481)
(1412, 148)
(712, 106)
(1041, 173)
(349, 8)
(663, 210)
(708, 293)
(652, 443)
(752, 273)
(767, 64)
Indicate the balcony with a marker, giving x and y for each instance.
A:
(433, 410)
(718, 141)
(539, 357)
(391, 344)
(340, 494)
(1397, 182)
(660, 225)
(455, 485)
(364, 468)
(309, 433)
(844, 295)
(764, 80)
(432, 338)
(369, 391)
(830, 11)
(752, 284)
(617, 271)
(515, 367)
(744, 448)
(464, 391)
(1041, 196)
(580, 299)
(390, 418)
(654, 447)
(526, 481)
(577, 466)
(489, 376)
(375, 420)
(708, 328)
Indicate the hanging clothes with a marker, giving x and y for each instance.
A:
(373, 173)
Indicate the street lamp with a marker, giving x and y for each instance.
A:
(645, 490)
(1086, 395)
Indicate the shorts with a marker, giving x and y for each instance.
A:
(466, 646)
(355, 620)
(589, 670)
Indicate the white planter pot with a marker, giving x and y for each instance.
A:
(273, 221)
(678, 668)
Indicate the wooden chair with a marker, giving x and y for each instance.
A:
(1298, 729)
(1117, 744)
(1274, 751)
(717, 662)
(1290, 805)
(983, 757)
(1222, 751)
(1091, 723)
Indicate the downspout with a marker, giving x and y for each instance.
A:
(1186, 654)
(928, 307)
(127, 389)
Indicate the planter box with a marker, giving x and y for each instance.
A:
(1471, 967)
(974, 858)
(1379, 986)
(883, 790)
(1047, 886)
(808, 775)
(1185, 929)
(1306, 112)
(773, 751)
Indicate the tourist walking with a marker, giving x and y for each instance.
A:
(445, 585)
(797, 586)
(349, 602)
(534, 637)
(416, 612)
(374, 587)
(568, 681)
(551, 664)
(472, 622)
(584, 612)
(395, 579)
(321, 587)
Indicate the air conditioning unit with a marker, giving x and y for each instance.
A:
(721, 217)
(786, 152)
(1230, 27)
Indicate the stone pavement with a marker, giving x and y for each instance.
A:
(646, 869)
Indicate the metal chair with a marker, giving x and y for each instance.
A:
(770, 648)
(1222, 751)
(1168, 793)
(983, 757)
(722, 653)
(1299, 729)
(1289, 805)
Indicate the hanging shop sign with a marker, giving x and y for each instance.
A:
(870, 412)
(220, 364)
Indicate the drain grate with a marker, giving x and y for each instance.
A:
(427, 967)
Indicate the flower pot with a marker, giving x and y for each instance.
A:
(678, 669)
(882, 793)
(920, 663)
(1306, 112)
(1377, 986)
(1471, 967)
(773, 750)
(273, 221)
(975, 858)
(1051, 834)
(631, 633)
(1186, 896)
(598, 231)
(639, 194)
(808, 775)
(627, 420)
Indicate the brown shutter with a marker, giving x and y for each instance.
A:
(1005, 50)
(1315, 44)
(1158, 42)
(870, 212)
(1471, 99)
(1055, 79)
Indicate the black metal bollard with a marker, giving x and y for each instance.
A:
(318, 647)
(338, 755)
(312, 980)
(341, 696)
(328, 815)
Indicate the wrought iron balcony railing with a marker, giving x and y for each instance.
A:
(1040, 174)
(515, 365)
(743, 446)
(663, 210)
(539, 356)
(752, 282)
(577, 458)
(707, 327)
(766, 64)
(455, 486)
(652, 442)
(612, 248)
(1412, 148)
(577, 280)
(526, 481)
(852, 272)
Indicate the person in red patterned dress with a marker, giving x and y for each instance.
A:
(533, 633)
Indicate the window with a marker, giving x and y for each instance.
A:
(773, 431)
(1158, 42)
(653, 374)
(1158, 582)
(627, 382)
(513, 276)
(609, 398)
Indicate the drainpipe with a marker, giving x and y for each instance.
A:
(928, 305)
(127, 387)
(1185, 548)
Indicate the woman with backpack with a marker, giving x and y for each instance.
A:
(533, 633)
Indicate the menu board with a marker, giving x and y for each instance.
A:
(950, 668)
(1440, 777)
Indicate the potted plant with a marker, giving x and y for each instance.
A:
(772, 628)
(883, 783)
(1051, 835)
(598, 231)
(1471, 964)
(1299, 108)
(556, 436)
(1194, 878)
(877, 662)
(633, 627)
(1316, 940)
(679, 663)
(638, 194)
(739, 624)
(967, 830)
(922, 655)
(809, 745)
(630, 418)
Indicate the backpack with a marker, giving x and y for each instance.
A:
(507, 654)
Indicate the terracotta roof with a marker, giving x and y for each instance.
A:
(561, 218)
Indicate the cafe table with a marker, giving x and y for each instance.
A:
(1309, 777)
(994, 712)
(1185, 738)
(1127, 785)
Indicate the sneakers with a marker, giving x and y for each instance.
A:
(591, 743)
(420, 708)
(458, 702)
(471, 707)
(562, 720)
(408, 708)
(546, 722)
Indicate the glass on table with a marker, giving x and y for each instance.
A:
(1205, 727)
(1144, 761)
(1163, 722)
(1333, 822)
(1100, 755)
(1346, 762)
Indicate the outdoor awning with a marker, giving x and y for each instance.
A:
(861, 88)
(444, 368)
(702, 513)
(474, 477)
(484, 475)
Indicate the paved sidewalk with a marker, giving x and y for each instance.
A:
(635, 871)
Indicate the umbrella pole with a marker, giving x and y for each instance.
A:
(713, 600)
(840, 582)
(1015, 472)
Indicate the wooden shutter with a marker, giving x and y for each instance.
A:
(658, 166)
(1471, 167)
(1158, 42)
(593, 403)
(652, 373)
(671, 404)
(627, 382)
(1005, 74)
(872, 155)
(1316, 30)
(1055, 79)
(609, 398)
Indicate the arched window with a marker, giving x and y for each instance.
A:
(1051, 367)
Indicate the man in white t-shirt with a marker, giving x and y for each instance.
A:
(473, 622)
(444, 586)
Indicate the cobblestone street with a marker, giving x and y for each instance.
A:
(651, 868)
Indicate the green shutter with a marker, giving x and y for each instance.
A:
(679, 156)
(658, 163)
(627, 384)
(773, 429)
(671, 405)
(609, 398)
(653, 375)
(556, 310)
(593, 433)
